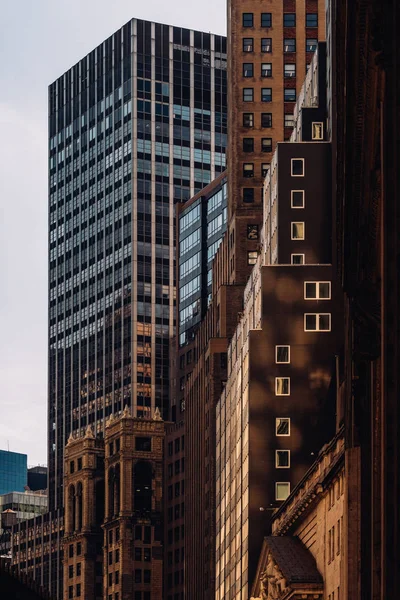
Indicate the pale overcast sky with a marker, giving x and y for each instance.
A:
(40, 40)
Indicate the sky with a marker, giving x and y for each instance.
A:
(40, 40)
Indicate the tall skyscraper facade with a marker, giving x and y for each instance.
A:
(136, 126)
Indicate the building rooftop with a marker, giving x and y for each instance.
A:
(294, 560)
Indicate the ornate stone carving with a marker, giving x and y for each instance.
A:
(127, 412)
(89, 432)
(157, 415)
(272, 582)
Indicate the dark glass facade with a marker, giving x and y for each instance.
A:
(13, 472)
(136, 126)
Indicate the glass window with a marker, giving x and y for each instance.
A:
(266, 20)
(282, 354)
(290, 95)
(289, 20)
(247, 19)
(297, 198)
(317, 322)
(317, 290)
(248, 194)
(297, 259)
(311, 44)
(282, 459)
(289, 70)
(251, 258)
(248, 94)
(266, 145)
(298, 231)
(248, 120)
(289, 45)
(265, 169)
(266, 94)
(248, 144)
(252, 232)
(282, 426)
(248, 69)
(282, 490)
(266, 119)
(266, 69)
(266, 45)
(282, 386)
(289, 120)
(317, 131)
(248, 44)
(248, 170)
(312, 20)
(297, 167)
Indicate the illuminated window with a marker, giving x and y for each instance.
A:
(282, 490)
(282, 426)
(317, 131)
(282, 386)
(298, 231)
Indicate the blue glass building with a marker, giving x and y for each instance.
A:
(13, 472)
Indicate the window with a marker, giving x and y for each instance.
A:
(289, 20)
(117, 556)
(317, 131)
(251, 258)
(110, 558)
(248, 119)
(338, 537)
(297, 259)
(266, 94)
(78, 590)
(297, 198)
(289, 45)
(248, 194)
(78, 569)
(266, 119)
(71, 550)
(282, 354)
(289, 70)
(266, 69)
(248, 144)
(265, 169)
(147, 576)
(282, 490)
(289, 120)
(312, 20)
(282, 426)
(266, 145)
(252, 233)
(248, 69)
(248, 44)
(248, 94)
(298, 231)
(138, 576)
(78, 548)
(266, 20)
(248, 170)
(110, 578)
(147, 554)
(266, 45)
(297, 167)
(290, 95)
(317, 322)
(282, 386)
(71, 571)
(247, 19)
(317, 290)
(71, 466)
(311, 44)
(71, 591)
(282, 459)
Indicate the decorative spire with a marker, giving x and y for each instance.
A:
(71, 438)
(127, 412)
(110, 420)
(89, 432)
(157, 415)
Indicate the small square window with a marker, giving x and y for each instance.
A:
(298, 231)
(282, 426)
(248, 44)
(266, 45)
(317, 290)
(312, 20)
(265, 169)
(289, 45)
(248, 170)
(282, 354)
(290, 95)
(311, 44)
(317, 131)
(266, 119)
(248, 19)
(317, 322)
(289, 121)
(248, 94)
(297, 165)
(248, 120)
(297, 198)
(289, 20)
(248, 144)
(282, 490)
(266, 20)
(266, 69)
(251, 258)
(266, 94)
(248, 69)
(297, 259)
(289, 70)
(282, 459)
(266, 145)
(282, 386)
(248, 195)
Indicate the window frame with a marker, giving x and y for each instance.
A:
(312, 14)
(265, 167)
(243, 197)
(304, 230)
(276, 385)
(248, 67)
(278, 466)
(317, 283)
(276, 426)
(285, 91)
(262, 142)
(264, 43)
(252, 144)
(268, 118)
(291, 199)
(251, 90)
(247, 45)
(266, 70)
(315, 42)
(297, 254)
(287, 483)
(285, 44)
(287, 15)
(248, 114)
(303, 174)
(265, 89)
(250, 259)
(268, 16)
(282, 362)
(319, 123)
(293, 74)
(318, 330)
(243, 19)
(248, 170)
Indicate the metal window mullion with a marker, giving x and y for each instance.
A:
(191, 113)
(212, 74)
(134, 223)
(153, 225)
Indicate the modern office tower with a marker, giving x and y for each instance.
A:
(37, 478)
(136, 126)
(13, 472)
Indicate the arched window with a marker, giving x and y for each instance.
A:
(79, 506)
(71, 508)
(142, 478)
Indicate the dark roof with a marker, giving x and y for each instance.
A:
(294, 560)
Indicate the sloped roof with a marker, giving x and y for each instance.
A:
(295, 561)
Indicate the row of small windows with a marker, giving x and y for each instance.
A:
(289, 19)
(289, 45)
(289, 70)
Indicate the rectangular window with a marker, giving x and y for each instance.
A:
(71, 466)
(338, 537)
(317, 322)
(266, 69)
(289, 70)
(251, 258)
(282, 459)
(78, 548)
(317, 131)
(282, 426)
(265, 169)
(297, 259)
(71, 591)
(78, 590)
(289, 95)
(71, 550)
(248, 144)
(248, 170)
(297, 198)
(248, 70)
(248, 44)
(266, 94)
(297, 167)
(248, 94)
(289, 120)
(312, 20)
(282, 354)
(248, 20)
(282, 490)
(289, 20)
(78, 569)
(71, 571)
(252, 233)
(298, 232)
(248, 119)
(311, 44)
(248, 195)
(147, 576)
(289, 45)
(138, 576)
(266, 119)
(282, 386)
(266, 20)
(266, 145)
(317, 290)
(266, 45)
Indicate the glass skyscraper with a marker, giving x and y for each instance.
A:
(13, 472)
(136, 126)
